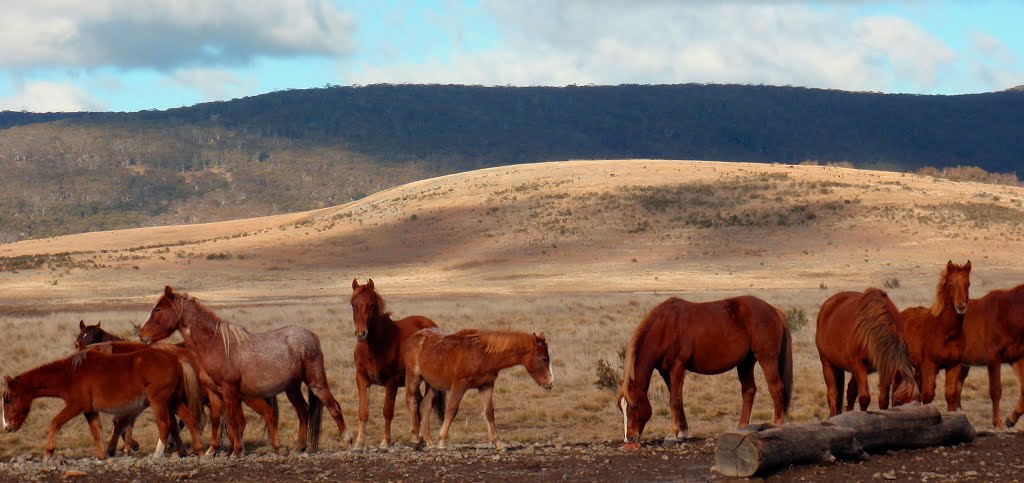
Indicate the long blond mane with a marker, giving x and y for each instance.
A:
(941, 295)
(228, 332)
(629, 364)
(500, 341)
(876, 328)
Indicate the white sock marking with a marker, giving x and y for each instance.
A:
(159, 453)
(625, 420)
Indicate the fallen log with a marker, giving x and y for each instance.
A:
(757, 449)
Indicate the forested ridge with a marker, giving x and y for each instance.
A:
(299, 149)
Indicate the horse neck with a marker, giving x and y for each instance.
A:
(201, 336)
(947, 319)
(108, 337)
(50, 380)
(382, 330)
(497, 361)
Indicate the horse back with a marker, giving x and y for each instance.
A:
(112, 381)
(836, 326)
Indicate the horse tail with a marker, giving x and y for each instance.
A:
(439, 404)
(877, 329)
(316, 414)
(786, 366)
(193, 394)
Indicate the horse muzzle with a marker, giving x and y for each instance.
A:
(361, 335)
(548, 385)
(960, 309)
(632, 442)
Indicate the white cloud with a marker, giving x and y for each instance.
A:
(214, 84)
(166, 34)
(658, 41)
(46, 96)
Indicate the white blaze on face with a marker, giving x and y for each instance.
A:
(3, 414)
(625, 420)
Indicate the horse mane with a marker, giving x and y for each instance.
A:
(876, 328)
(382, 306)
(500, 341)
(941, 294)
(629, 364)
(227, 330)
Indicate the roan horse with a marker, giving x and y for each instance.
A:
(378, 353)
(706, 338)
(92, 382)
(94, 335)
(246, 365)
(935, 335)
(994, 333)
(861, 332)
(467, 359)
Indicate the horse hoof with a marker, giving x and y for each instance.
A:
(631, 446)
(499, 446)
(384, 445)
(1010, 423)
(359, 448)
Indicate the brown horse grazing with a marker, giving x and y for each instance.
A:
(935, 335)
(706, 338)
(467, 359)
(860, 332)
(92, 335)
(92, 382)
(246, 365)
(378, 353)
(994, 333)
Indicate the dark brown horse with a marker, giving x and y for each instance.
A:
(93, 335)
(935, 335)
(92, 382)
(706, 338)
(378, 353)
(861, 332)
(994, 333)
(467, 359)
(246, 365)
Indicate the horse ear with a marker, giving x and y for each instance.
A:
(81, 325)
(949, 265)
(168, 291)
(98, 324)
(355, 283)
(967, 266)
(540, 336)
(369, 283)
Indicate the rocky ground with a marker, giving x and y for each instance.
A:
(992, 457)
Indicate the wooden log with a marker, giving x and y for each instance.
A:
(757, 449)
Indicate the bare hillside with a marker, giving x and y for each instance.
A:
(594, 226)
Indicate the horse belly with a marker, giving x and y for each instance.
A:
(133, 406)
(718, 360)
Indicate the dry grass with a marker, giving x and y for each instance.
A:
(580, 250)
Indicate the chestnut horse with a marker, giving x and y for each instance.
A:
(378, 353)
(935, 335)
(92, 382)
(94, 335)
(246, 365)
(861, 332)
(706, 338)
(467, 359)
(994, 333)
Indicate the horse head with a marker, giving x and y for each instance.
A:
(16, 404)
(164, 319)
(957, 284)
(367, 305)
(88, 334)
(636, 412)
(538, 363)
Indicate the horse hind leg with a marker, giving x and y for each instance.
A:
(266, 411)
(851, 391)
(748, 387)
(122, 424)
(294, 394)
(834, 379)
(770, 367)
(1018, 369)
(316, 381)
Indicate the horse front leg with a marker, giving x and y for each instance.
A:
(424, 420)
(1018, 369)
(675, 380)
(995, 391)
(832, 390)
(56, 423)
(121, 424)
(216, 422)
(294, 394)
(266, 412)
(391, 393)
(953, 387)
(455, 398)
(363, 388)
(96, 430)
(929, 372)
(233, 417)
(487, 402)
(745, 370)
(860, 374)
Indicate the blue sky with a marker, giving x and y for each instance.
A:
(128, 55)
